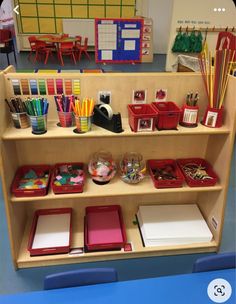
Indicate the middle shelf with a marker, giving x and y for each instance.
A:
(116, 187)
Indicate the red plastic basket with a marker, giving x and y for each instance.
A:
(100, 233)
(66, 188)
(161, 164)
(48, 250)
(200, 162)
(168, 115)
(30, 192)
(142, 117)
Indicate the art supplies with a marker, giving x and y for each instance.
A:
(83, 114)
(68, 178)
(31, 181)
(37, 109)
(104, 228)
(165, 173)
(169, 225)
(215, 73)
(36, 106)
(189, 113)
(51, 231)
(102, 167)
(18, 113)
(197, 172)
(132, 168)
(65, 105)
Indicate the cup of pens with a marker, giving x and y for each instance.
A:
(83, 114)
(18, 113)
(189, 113)
(37, 109)
(64, 110)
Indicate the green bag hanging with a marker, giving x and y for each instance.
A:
(185, 47)
(198, 43)
(192, 42)
(177, 43)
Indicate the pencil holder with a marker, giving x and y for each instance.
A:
(39, 124)
(213, 117)
(189, 116)
(83, 124)
(20, 120)
(66, 119)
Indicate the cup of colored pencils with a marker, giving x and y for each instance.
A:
(83, 114)
(215, 78)
(64, 110)
(37, 109)
(18, 113)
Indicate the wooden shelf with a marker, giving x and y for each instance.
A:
(116, 187)
(56, 132)
(21, 147)
(24, 260)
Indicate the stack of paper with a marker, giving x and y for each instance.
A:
(167, 225)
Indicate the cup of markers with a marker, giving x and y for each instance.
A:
(64, 110)
(18, 113)
(83, 112)
(37, 109)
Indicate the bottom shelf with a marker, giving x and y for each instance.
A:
(133, 235)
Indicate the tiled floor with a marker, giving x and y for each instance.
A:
(23, 63)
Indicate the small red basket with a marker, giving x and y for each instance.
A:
(67, 188)
(154, 164)
(30, 192)
(168, 115)
(184, 164)
(104, 228)
(142, 117)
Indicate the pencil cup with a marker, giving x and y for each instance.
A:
(39, 124)
(83, 124)
(20, 120)
(213, 117)
(66, 119)
(189, 116)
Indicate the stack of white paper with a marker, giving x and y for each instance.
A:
(166, 225)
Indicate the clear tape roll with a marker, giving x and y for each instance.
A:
(107, 110)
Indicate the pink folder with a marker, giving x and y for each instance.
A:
(104, 227)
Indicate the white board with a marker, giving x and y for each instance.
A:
(81, 27)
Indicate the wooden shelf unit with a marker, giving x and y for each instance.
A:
(21, 147)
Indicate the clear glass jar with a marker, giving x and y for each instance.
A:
(102, 167)
(132, 168)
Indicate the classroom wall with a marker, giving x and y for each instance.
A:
(161, 12)
(45, 16)
(199, 14)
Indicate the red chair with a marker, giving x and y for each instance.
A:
(77, 45)
(51, 45)
(42, 49)
(7, 44)
(66, 48)
(32, 42)
(84, 49)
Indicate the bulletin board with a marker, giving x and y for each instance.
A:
(118, 40)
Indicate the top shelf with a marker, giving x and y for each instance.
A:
(56, 132)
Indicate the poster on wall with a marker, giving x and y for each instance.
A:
(118, 40)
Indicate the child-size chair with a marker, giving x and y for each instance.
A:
(80, 277)
(84, 49)
(215, 262)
